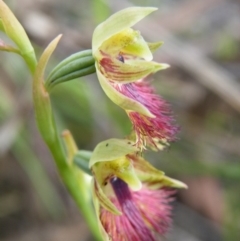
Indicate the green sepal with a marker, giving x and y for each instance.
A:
(151, 176)
(81, 159)
(171, 182)
(112, 149)
(129, 42)
(97, 207)
(145, 171)
(104, 200)
(119, 21)
(74, 66)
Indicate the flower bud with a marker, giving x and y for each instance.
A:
(74, 66)
(14, 30)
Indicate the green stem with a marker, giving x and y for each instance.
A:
(71, 181)
(30, 60)
(48, 130)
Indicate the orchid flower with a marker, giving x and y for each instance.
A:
(131, 197)
(123, 61)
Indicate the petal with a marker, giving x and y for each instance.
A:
(129, 71)
(155, 207)
(154, 46)
(97, 209)
(153, 177)
(149, 131)
(129, 42)
(104, 200)
(145, 171)
(170, 182)
(118, 22)
(139, 48)
(124, 102)
(121, 168)
(129, 176)
(111, 149)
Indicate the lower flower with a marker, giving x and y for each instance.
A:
(131, 197)
(143, 212)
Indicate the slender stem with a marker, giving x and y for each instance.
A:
(47, 127)
(72, 180)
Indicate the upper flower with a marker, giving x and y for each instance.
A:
(131, 197)
(123, 60)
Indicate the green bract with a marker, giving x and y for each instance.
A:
(41, 97)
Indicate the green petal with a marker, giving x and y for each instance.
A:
(154, 46)
(139, 48)
(112, 149)
(120, 99)
(129, 176)
(119, 21)
(104, 200)
(97, 209)
(120, 167)
(153, 177)
(131, 70)
(170, 182)
(128, 42)
(145, 171)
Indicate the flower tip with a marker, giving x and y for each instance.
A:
(164, 66)
(154, 9)
(151, 9)
(178, 184)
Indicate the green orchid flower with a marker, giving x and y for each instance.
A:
(131, 197)
(123, 60)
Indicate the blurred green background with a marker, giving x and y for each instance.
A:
(202, 44)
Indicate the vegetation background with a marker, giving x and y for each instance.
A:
(202, 44)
